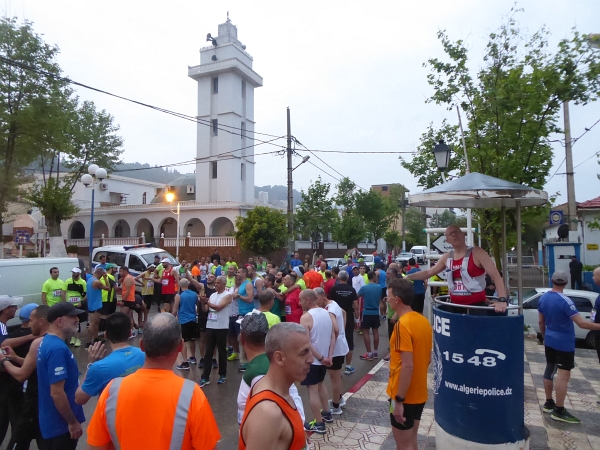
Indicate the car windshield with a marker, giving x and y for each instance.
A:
(528, 294)
(149, 257)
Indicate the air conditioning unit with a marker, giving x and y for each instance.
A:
(103, 186)
(190, 188)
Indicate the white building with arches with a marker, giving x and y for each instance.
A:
(222, 187)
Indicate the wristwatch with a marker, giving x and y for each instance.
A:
(322, 358)
(503, 299)
(399, 399)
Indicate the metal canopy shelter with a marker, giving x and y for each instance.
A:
(476, 190)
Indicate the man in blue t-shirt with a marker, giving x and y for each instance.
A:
(371, 294)
(123, 360)
(556, 316)
(419, 287)
(381, 277)
(296, 261)
(60, 416)
(185, 310)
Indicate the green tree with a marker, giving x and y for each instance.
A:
(349, 229)
(316, 216)
(511, 103)
(262, 231)
(378, 212)
(30, 104)
(414, 222)
(393, 239)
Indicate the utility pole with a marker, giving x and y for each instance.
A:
(571, 204)
(467, 170)
(290, 200)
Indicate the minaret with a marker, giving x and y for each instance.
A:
(226, 82)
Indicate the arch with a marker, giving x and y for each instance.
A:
(121, 229)
(195, 227)
(221, 226)
(169, 227)
(77, 230)
(100, 228)
(146, 227)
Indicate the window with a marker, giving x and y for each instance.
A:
(384, 188)
(116, 258)
(243, 89)
(136, 264)
(213, 169)
(532, 303)
(243, 130)
(582, 304)
(243, 174)
(215, 127)
(215, 85)
(144, 198)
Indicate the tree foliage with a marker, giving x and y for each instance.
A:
(414, 223)
(315, 215)
(262, 231)
(511, 104)
(378, 212)
(393, 239)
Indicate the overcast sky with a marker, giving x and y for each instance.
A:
(351, 72)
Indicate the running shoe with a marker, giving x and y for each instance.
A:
(201, 364)
(326, 415)
(366, 357)
(336, 411)
(215, 365)
(242, 368)
(229, 350)
(564, 416)
(72, 341)
(342, 402)
(204, 382)
(315, 427)
(549, 406)
(184, 366)
(359, 331)
(77, 342)
(375, 355)
(222, 380)
(233, 357)
(133, 334)
(192, 360)
(349, 370)
(387, 358)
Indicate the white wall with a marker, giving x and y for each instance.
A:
(116, 185)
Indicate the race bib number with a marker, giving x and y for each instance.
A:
(75, 299)
(593, 315)
(150, 284)
(212, 316)
(165, 282)
(57, 293)
(459, 286)
(288, 309)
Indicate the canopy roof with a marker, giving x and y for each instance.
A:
(476, 190)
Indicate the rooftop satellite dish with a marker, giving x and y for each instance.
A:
(563, 231)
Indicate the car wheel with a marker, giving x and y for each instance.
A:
(590, 339)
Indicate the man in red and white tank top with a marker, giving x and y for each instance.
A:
(465, 269)
(170, 284)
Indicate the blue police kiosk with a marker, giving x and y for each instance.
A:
(478, 360)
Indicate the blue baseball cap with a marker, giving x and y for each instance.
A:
(25, 311)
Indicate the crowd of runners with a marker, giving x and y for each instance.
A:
(287, 327)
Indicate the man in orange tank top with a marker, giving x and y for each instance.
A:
(288, 349)
(127, 293)
(466, 277)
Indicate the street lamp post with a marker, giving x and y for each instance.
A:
(95, 174)
(290, 205)
(170, 196)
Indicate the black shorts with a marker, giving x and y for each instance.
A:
(168, 298)
(350, 331)
(148, 300)
(108, 308)
(202, 324)
(412, 412)
(370, 321)
(234, 327)
(338, 362)
(315, 376)
(189, 331)
(563, 360)
(130, 305)
(383, 293)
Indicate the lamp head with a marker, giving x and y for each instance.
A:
(101, 173)
(442, 155)
(92, 169)
(170, 196)
(306, 158)
(87, 179)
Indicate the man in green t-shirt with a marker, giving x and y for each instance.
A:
(229, 263)
(52, 288)
(74, 291)
(231, 271)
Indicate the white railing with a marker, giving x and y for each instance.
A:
(223, 241)
(172, 242)
(122, 241)
(83, 242)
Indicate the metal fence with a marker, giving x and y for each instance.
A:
(533, 276)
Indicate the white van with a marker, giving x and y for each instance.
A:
(420, 252)
(136, 257)
(24, 277)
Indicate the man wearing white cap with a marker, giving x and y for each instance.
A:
(169, 282)
(74, 291)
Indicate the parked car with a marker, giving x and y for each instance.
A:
(583, 300)
(335, 262)
(404, 257)
(420, 253)
(369, 260)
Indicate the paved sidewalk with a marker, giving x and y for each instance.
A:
(365, 423)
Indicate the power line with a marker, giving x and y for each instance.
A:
(594, 155)
(324, 171)
(557, 169)
(587, 130)
(361, 152)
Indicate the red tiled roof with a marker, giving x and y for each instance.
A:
(591, 204)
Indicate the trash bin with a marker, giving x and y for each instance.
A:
(478, 381)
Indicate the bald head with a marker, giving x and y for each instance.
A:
(309, 295)
(162, 335)
(280, 336)
(597, 276)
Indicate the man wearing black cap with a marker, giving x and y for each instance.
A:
(557, 312)
(60, 416)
